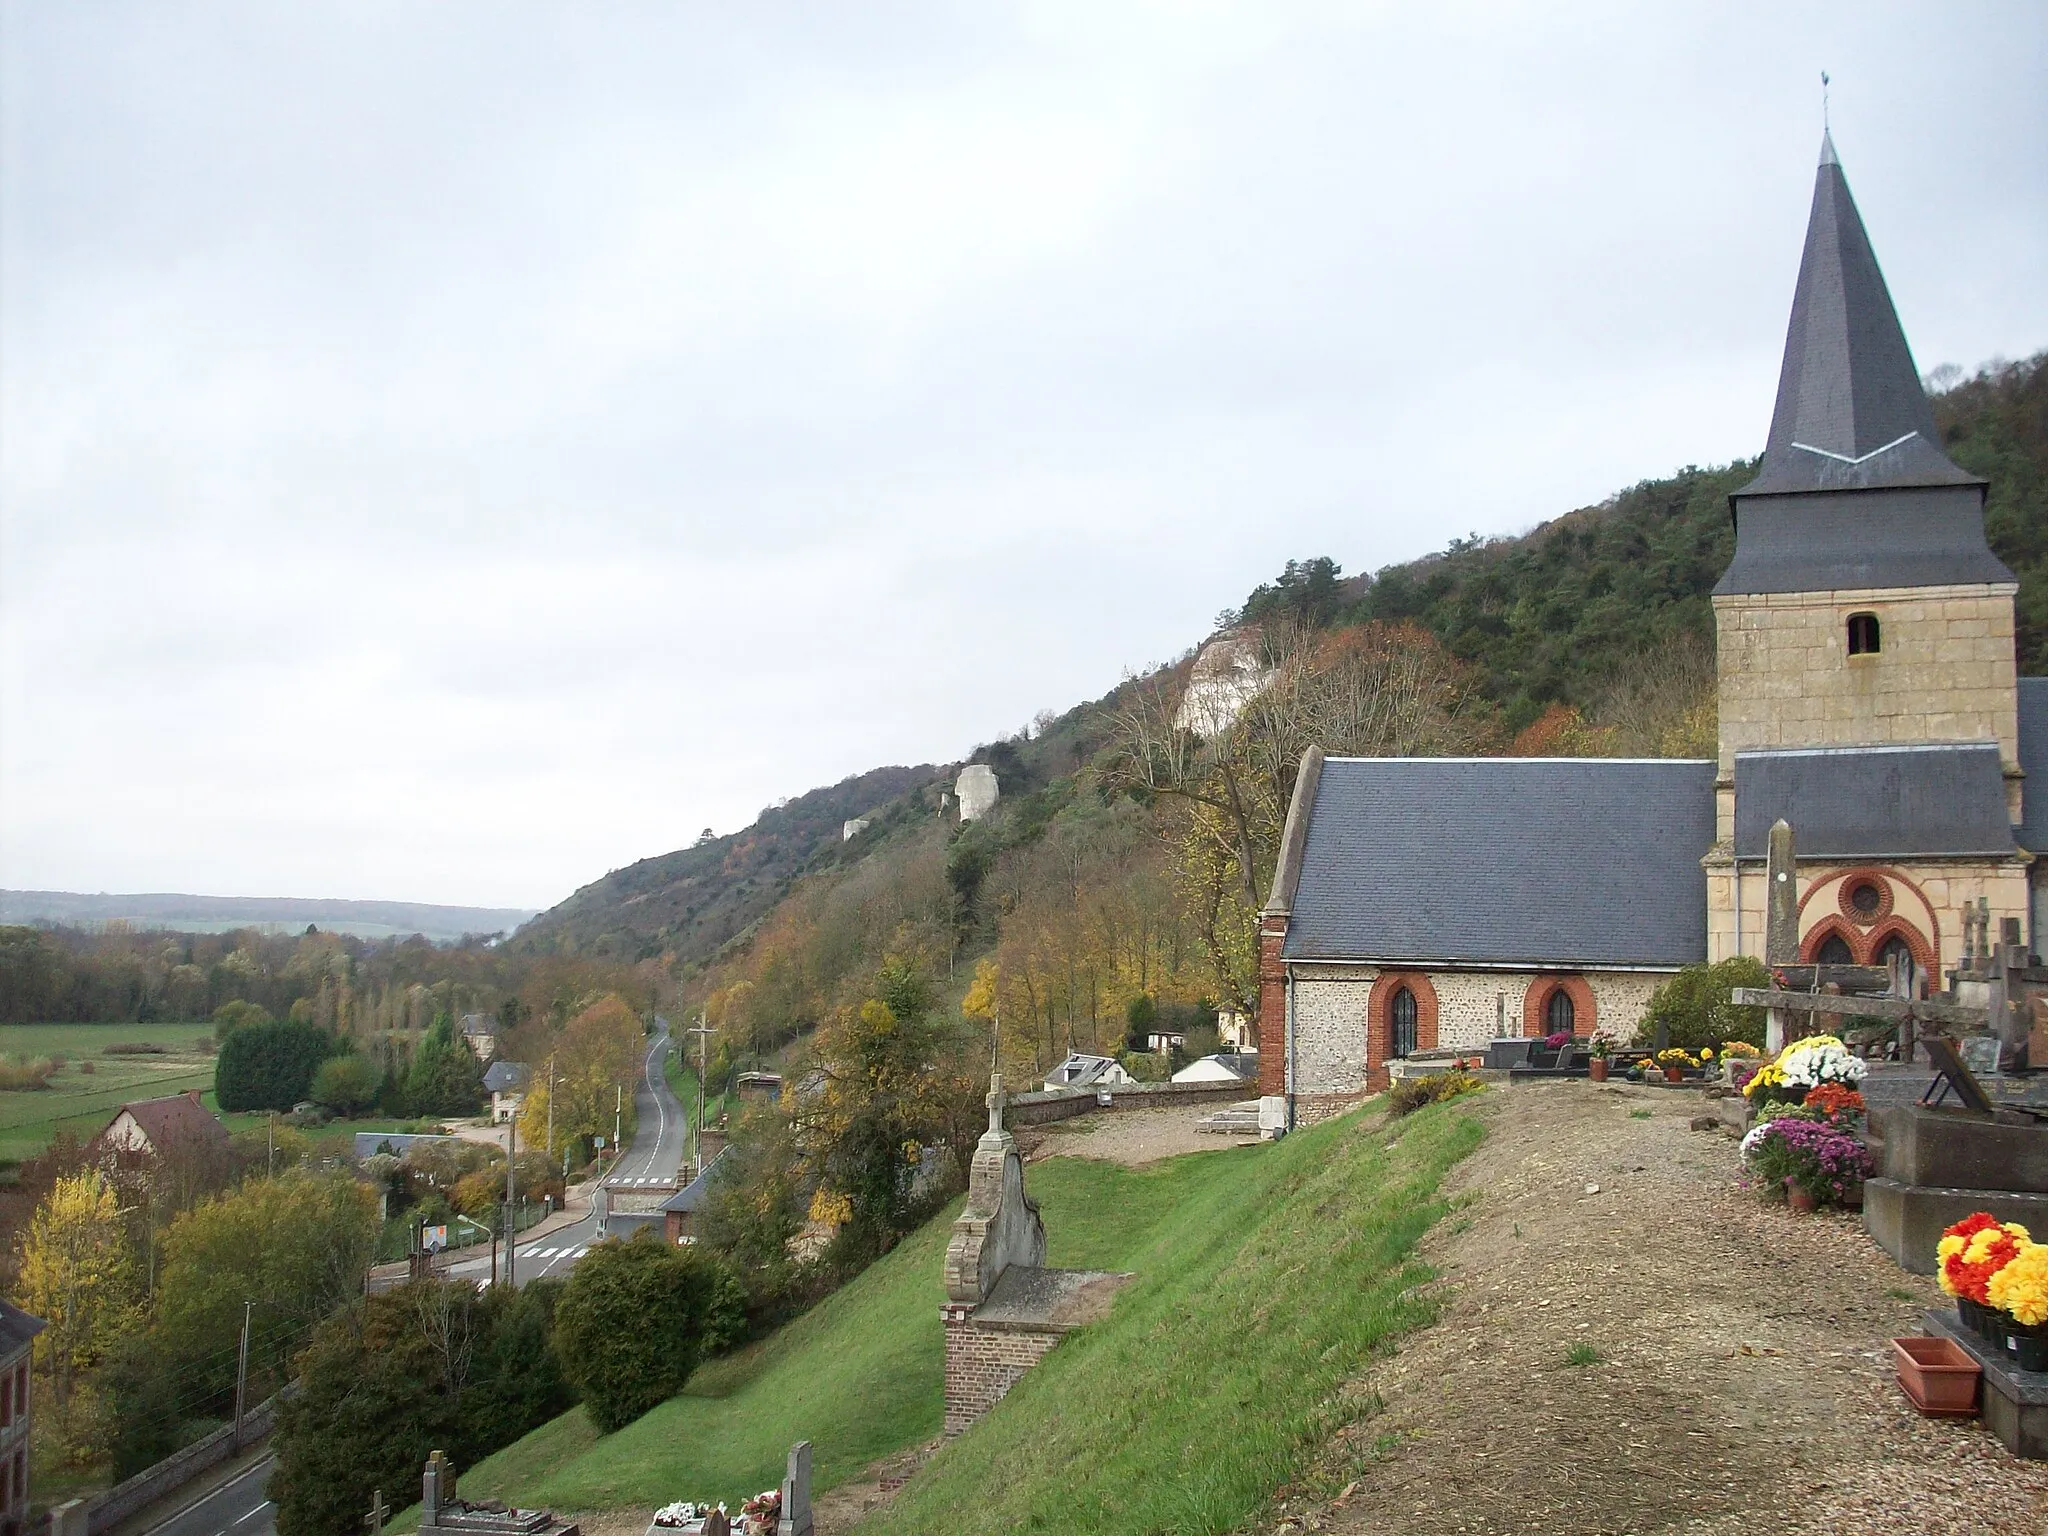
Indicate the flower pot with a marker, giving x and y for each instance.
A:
(1801, 1200)
(1596, 1069)
(1674, 1074)
(1938, 1375)
(2028, 1347)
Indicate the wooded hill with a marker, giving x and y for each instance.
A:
(1068, 888)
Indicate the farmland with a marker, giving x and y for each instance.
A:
(81, 1101)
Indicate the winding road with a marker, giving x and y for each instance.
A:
(650, 1163)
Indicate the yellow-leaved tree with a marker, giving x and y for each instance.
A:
(596, 1064)
(78, 1274)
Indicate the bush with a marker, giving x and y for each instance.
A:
(269, 1066)
(135, 1048)
(229, 1017)
(346, 1084)
(477, 1195)
(636, 1317)
(23, 1075)
(1411, 1093)
(1694, 1009)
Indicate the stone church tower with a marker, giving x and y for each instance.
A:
(1868, 690)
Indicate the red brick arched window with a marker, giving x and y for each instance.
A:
(1832, 927)
(1537, 1007)
(1379, 1015)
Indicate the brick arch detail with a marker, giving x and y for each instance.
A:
(1833, 927)
(1585, 1011)
(1379, 1027)
(1916, 943)
(1900, 880)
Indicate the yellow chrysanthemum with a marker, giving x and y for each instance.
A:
(2021, 1288)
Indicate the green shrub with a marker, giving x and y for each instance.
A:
(1694, 1009)
(1411, 1093)
(636, 1317)
(269, 1065)
(346, 1084)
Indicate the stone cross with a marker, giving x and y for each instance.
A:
(996, 1100)
(1781, 928)
(796, 1484)
(379, 1513)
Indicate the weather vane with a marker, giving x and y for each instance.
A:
(1824, 101)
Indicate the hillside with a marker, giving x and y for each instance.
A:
(689, 902)
(1560, 615)
(1281, 1268)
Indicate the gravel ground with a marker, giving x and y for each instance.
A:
(1131, 1136)
(1743, 1376)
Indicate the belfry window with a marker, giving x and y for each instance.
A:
(1558, 1014)
(1863, 637)
(1401, 1016)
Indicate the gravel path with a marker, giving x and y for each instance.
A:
(1743, 1380)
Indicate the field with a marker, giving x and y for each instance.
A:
(1266, 1277)
(83, 1102)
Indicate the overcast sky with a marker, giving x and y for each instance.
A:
(449, 451)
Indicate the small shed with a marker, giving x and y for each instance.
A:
(758, 1085)
(680, 1210)
(1222, 1067)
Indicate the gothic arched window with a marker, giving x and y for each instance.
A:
(1897, 945)
(1558, 1014)
(1401, 1017)
(1835, 951)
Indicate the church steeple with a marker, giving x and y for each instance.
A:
(1851, 414)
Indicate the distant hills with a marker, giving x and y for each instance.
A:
(216, 914)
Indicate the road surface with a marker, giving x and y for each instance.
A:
(238, 1507)
(649, 1164)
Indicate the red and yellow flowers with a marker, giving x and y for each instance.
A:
(1973, 1251)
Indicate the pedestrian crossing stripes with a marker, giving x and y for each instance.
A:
(637, 1183)
(572, 1252)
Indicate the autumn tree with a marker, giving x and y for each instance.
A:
(78, 1275)
(1378, 690)
(596, 1063)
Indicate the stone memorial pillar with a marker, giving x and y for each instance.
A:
(1781, 926)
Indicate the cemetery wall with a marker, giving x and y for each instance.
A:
(1944, 671)
(1049, 1105)
(983, 1363)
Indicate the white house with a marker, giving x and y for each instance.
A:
(1080, 1070)
(1223, 1067)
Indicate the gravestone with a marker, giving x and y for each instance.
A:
(796, 1493)
(441, 1510)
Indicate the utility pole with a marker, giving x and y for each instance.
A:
(511, 1151)
(703, 1031)
(271, 1161)
(242, 1373)
(618, 1121)
(551, 1115)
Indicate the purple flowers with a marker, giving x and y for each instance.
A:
(1558, 1041)
(1819, 1158)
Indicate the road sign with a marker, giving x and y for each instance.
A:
(433, 1239)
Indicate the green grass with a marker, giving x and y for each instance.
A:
(82, 1103)
(1266, 1277)
(1582, 1354)
(1639, 1114)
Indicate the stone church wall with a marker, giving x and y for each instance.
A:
(1332, 1007)
(1944, 671)
(1928, 895)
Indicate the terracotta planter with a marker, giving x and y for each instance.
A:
(1596, 1069)
(1801, 1201)
(1674, 1074)
(1939, 1376)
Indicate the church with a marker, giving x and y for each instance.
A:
(1868, 695)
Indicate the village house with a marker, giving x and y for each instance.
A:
(506, 1082)
(1081, 1070)
(481, 1031)
(1867, 693)
(163, 1128)
(682, 1210)
(1221, 1067)
(18, 1331)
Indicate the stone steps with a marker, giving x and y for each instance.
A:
(1241, 1119)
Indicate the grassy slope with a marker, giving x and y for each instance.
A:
(1265, 1276)
(83, 1103)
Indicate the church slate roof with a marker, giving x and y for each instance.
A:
(1874, 802)
(2032, 832)
(1851, 416)
(1582, 862)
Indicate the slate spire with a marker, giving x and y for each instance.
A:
(1850, 413)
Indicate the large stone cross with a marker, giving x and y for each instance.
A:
(996, 1100)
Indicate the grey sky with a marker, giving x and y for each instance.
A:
(449, 451)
